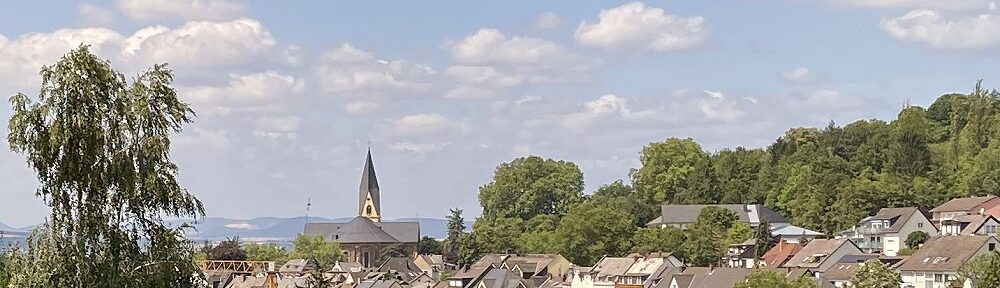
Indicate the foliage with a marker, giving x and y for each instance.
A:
(100, 147)
(624, 197)
(456, 228)
(916, 238)
(531, 186)
(229, 250)
(665, 168)
(875, 274)
(265, 252)
(669, 239)
(591, 230)
(707, 237)
(429, 245)
(738, 233)
(984, 268)
(906, 252)
(325, 253)
(538, 242)
(763, 239)
(761, 278)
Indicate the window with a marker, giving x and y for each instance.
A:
(993, 246)
(368, 210)
(920, 224)
(939, 278)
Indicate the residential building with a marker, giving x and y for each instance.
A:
(363, 238)
(822, 254)
(792, 233)
(550, 266)
(779, 254)
(378, 283)
(978, 224)
(966, 206)
(503, 278)
(402, 269)
(709, 278)
(433, 265)
(297, 267)
(937, 261)
(649, 270)
(886, 232)
(467, 278)
(248, 281)
(604, 273)
(741, 255)
(681, 216)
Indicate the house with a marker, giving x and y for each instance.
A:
(297, 267)
(978, 224)
(551, 266)
(842, 273)
(341, 266)
(467, 278)
(967, 206)
(604, 273)
(741, 255)
(379, 283)
(886, 232)
(503, 278)
(822, 254)
(245, 281)
(433, 265)
(363, 238)
(648, 270)
(939, 259)
(702, 277)
(402, 269)
(779, 254)
(681, 216)
(792, 233)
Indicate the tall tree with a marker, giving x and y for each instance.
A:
(228, 250)
(763, 240)
(100, 148)
(265, 252)
(985, 269)
(761, 278)
(706, 237)
(665, 168)
(325, 253)
(531, 186)
(649, 240)
(430, 246)
(591, 230)
(875, 274)
(624, 197)
(456, 228)
(909, 154)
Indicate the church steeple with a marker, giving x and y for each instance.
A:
(369, 205)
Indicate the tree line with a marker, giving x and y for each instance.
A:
(825, 179)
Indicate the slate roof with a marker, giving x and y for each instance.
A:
(720, 278)
(403, 267)
(503, 278)
(611, 266)
(369, 185)
(944, 253)
(297, 266)
(261, 282)
(377, 284)
(818, 247)
(962, 204)
(976, 224)
(533, 263)
(780, 253)
(683, 214)
(841, 271)
(897, 216)
(363, 230)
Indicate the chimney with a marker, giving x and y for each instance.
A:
(272, 279)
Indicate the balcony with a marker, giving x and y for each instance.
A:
(873, 245)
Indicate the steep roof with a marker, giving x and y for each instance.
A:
(841, 271)
(898, 216)
(369, 185)
(612, 266)
(503, 278)
(818, 248)
(944, 253)
(976, 224)
(780, 253)
(794, 230)
(671, 214)
(962, 204)
(363, 230)
(720, 278)
(402, 266)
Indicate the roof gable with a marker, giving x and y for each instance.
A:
(945, 253)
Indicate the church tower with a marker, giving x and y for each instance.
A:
(369, 205)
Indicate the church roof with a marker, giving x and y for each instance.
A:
(369, 185)
(363, 230)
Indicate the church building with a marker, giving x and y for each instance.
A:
(365, 238)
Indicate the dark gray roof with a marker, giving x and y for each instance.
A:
(819, 248)
(962, 204)
(898, 217)
(369, 185)
(363, 230)
(683, 214)
(503, 278)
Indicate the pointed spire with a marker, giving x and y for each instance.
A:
(369, 190)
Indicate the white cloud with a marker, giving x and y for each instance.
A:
(204, 44)
(606, 107)
(418, 148)
(215, 10)
(486, 62)
(240, 226)
(932, 4)
(426, 123)
(716, 107)
(248, 89)
(95, 15)
(547, 20)
(636, 26)
(800, 74)
(360, 107)
(277, 127)
(932, 29)
(346, 68)
(23, 57)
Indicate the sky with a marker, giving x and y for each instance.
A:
(290, 94)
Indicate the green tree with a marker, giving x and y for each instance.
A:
(875, 274)
(456, 228)
(707, 236)
(531, 186)
(736, 170)
(325, 253)
(909, 154)
(981, 175)
(665, 168)
(701, 185)
(763, 239)
(624, 197)
(591, 230)
(649, 240)
(719, 217)
(537, 242)
(984, 268)
(430, 246)
(916, 238)
(100, 148)
(265, 252)
(229, 250)
(738, 233)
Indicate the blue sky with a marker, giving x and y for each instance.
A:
(289, 93)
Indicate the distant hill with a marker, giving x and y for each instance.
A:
(284, 229)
